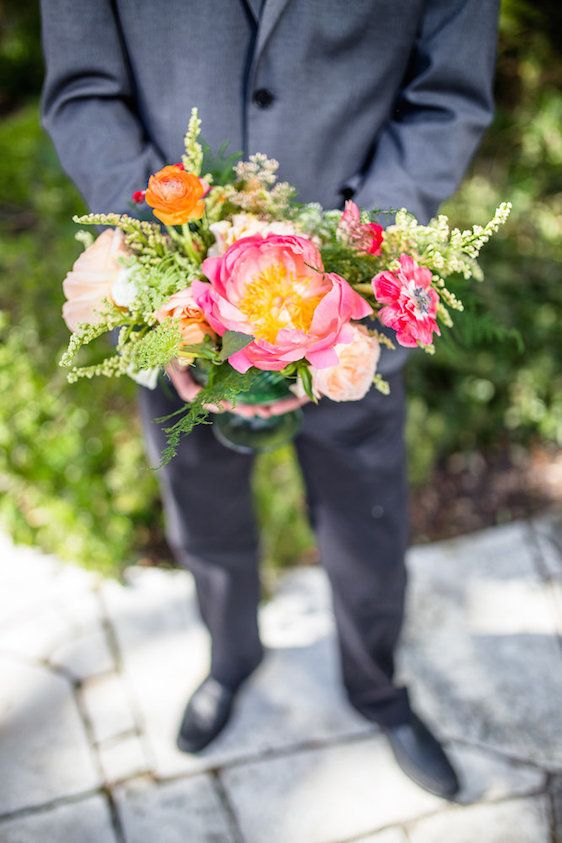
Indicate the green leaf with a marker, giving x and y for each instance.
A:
(219, 164)
(306, 380)
(202, 350)
(232, 342)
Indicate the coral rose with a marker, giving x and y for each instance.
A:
(175, 196)
(410, 302)
(92, 279)
(352, 377)
(275, 289)
(182, 306)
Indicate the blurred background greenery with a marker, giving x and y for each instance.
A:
(485, 419)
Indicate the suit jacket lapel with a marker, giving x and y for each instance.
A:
(254, 7)
(272, 11)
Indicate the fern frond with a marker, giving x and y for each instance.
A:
(225, 384)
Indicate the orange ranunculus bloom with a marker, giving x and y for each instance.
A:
(175, 196)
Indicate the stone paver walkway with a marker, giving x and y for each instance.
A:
(94, 676)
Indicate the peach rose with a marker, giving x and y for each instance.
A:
(352, 378)
(175, 196)
(193, 326)
(92, 278)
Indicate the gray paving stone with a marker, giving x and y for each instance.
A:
(48, 610)
(293, 697)
(85, 655)
(85, 821)
(25, 575)
(122, 759)
(38, 635)
(107, 704)
(33, 580)
(324, 795)
(184, 811)
(555, 588)
(547, 531)
(485, 775)
(164, 650)
(389, 835)
(339, 792)
(517, 821)
(79, 604)
(480, 649)
(556, 808)
(479, 652)
(44, 753)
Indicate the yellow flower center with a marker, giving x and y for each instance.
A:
(276, 299)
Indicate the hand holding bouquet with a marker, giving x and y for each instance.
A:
(263, 298)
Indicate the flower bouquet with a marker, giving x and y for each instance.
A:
(268, 301)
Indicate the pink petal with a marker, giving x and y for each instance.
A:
(211, 268)
(322, 359)
(240, 361)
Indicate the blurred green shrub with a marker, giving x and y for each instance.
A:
(73, 478)
(21, 62)
(494, 393)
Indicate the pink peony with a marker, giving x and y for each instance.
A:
(92, 278)
(181, 306)
(275, 289)
(364, 236)
(410, 302)
(353, 376)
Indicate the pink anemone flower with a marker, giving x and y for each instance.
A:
(410, 302)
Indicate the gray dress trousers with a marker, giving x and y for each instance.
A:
(353, 461)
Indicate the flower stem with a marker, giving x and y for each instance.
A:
(184, 240)
(189, 247)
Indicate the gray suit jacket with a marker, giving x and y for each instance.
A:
(384, 98)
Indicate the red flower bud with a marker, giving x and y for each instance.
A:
(179, 165)
(138, 197)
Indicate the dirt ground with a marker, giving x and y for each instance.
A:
(476, 490)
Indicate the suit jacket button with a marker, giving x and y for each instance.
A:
(263, 98)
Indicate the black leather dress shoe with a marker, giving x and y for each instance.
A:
(206, 714)
(422, 758)
(208, 711)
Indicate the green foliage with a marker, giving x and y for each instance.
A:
(21, 62)
(306, 381)
(220, 163)
(355, 267)
(506, 386)
(73, 475)
(71, 464)
(224, 384)
(157, 348)
(232, 342)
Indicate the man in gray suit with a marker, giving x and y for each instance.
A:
(383, 100)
